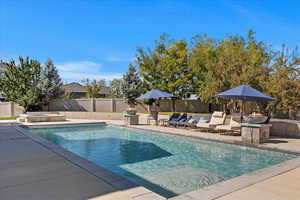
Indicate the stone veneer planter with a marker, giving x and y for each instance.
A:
(285, 128)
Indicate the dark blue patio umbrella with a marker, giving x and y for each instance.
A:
(244, 93)
(156, 94)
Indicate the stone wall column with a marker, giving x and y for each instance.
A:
(113, 105)
(93, 105)
(12, 109)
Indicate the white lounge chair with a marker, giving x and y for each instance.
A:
(233, 127)
(217, 118)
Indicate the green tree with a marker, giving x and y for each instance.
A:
(115, 89)
(233, 61)
(19, 83)
(284, 82)
(50, 83)
(131, 87)
(93, 87)
(166, 67)
(208, 66)
(203, 54)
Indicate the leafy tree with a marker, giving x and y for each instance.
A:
(210, 66)
(233, 61)
(50, 83)
(166, 67)
(116, 88)
(131, 86)
(93, 87)
(202, 56)
(19, 83)
(284, 82)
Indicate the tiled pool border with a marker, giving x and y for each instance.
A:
(207, 193)
(62, 124)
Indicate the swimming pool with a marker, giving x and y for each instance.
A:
(166, 164)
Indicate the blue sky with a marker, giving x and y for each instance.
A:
(98, 38)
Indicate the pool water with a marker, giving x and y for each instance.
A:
(166, 164)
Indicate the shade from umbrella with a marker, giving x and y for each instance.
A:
(244, 93)
(156, 94)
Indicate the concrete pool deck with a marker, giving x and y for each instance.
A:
(29, 169)
(281, 187)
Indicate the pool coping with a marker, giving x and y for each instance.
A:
(62, 124)
(207, 193)
(134, 190)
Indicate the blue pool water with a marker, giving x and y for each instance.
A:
(166, 164)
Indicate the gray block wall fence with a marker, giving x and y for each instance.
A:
(8, 109)
(118, 105)
(111, 109)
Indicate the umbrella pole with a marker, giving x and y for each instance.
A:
(157, 108)
(242, 111)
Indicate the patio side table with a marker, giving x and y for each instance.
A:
(255, 133)
(162, 122)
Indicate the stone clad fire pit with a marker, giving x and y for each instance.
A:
(130, 117)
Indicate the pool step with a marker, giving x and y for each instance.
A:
(183, 179)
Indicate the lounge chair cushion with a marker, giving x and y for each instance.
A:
(174, 116)
(217, 120)
(218, 114)
(224, 127)
(255, 120)
(183, 119)
(204, 121)
(204, 125)
(234, 124)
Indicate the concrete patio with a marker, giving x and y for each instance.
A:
(29, 170)
(281, 187)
